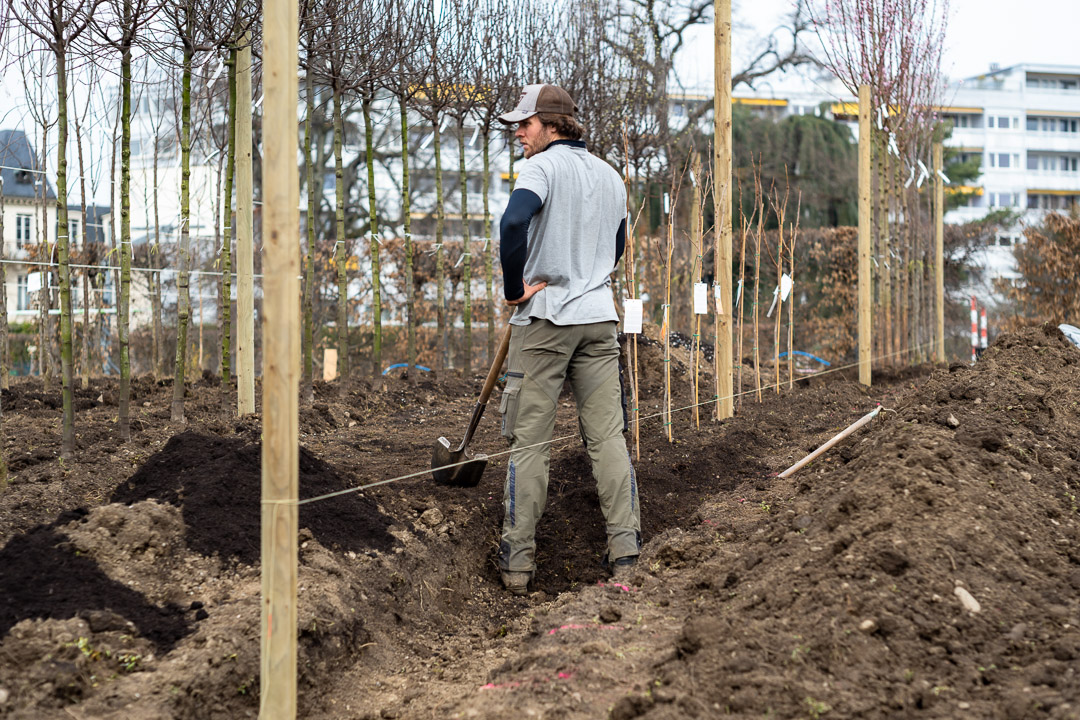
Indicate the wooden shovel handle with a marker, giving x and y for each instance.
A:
(496, 366)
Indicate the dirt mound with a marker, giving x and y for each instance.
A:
(217, 483)
(850, 598)
(45, 576)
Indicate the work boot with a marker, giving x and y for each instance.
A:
(516, 582)
(623, 567)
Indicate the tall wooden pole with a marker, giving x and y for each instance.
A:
(281, 360)
(245, 245)
(939, 253)
(725, 406)
(864, 234)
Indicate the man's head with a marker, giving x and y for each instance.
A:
(544, 113)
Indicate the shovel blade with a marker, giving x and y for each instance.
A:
(467, 474)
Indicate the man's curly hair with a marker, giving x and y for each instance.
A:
(565, 125)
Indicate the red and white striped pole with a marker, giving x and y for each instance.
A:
(974, 330)
(982, 328)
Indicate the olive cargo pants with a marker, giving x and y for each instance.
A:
(542, 356)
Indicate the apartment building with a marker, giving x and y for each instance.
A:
(29, 202)
(1023, 122)
(153, 132)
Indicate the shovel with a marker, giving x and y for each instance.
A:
(469, 473)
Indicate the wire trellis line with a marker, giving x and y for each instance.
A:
(427, 471)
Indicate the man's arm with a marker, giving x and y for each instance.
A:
(620, 241)
(514, 239)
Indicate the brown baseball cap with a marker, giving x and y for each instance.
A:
(540, 99)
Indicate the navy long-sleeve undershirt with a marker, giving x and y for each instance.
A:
(514, 233)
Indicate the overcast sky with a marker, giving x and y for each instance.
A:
(980, 32)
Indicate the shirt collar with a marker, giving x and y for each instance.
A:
(568, 143)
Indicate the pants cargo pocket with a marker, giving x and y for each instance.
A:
(508, 406)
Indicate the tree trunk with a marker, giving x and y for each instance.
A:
(406, 209)
(225, 326)
(440, 268)
(106, 323)
(183, 301)
(886, 258)
(373, 229)
(5, 357)
(307, 391)
(85, 370)
(489, 255)
(44, 296)
(340, 250)
(466, 276)
(67, 445)
(124, 308)
(154, 257)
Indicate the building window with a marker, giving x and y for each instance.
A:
(1067, 125)
(23, 302)
(74, 233)
(1003, 123)
(24, 226)
(1068, 164)
(1033, 124)
(1003, 160)
(1032, 162)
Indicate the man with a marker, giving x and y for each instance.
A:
(562, 234)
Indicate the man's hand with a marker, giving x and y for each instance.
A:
(530, 290)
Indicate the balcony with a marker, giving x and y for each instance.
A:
(1054, 180)
(1053, 142)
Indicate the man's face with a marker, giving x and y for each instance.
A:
(533, 135)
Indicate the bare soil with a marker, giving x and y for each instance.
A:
(129, 578)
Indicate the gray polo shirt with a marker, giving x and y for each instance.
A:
(572, 237)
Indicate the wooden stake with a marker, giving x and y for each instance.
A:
(759, 205)
(281, 334)
(745, 225)
(631, 286)
(665, 331)
(725, 406)
(245, 244)
(864, 234)
(794, 235)
(939, 253)
(695, 278)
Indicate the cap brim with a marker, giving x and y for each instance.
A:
(514, 116)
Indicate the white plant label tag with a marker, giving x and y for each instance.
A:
(718, 297)
(785, 287)
(701, 299)
(632, 315)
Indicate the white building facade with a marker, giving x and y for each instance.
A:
(1023, 122)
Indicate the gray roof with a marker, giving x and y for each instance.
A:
(16, 152)
(95, 214)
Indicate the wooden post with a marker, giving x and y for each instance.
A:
(725, 406)
(697, 240)
(939, 254)
(245, 244)
(864, 234)
(281, 337)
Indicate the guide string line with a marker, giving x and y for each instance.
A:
(428, 471)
